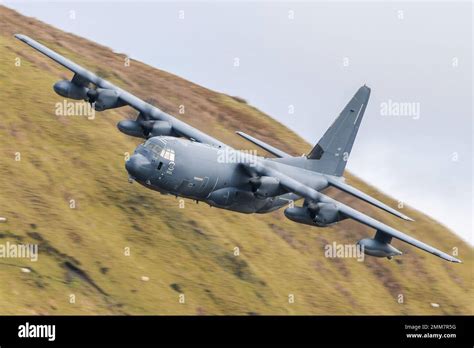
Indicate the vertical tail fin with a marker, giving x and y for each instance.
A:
(330, 154)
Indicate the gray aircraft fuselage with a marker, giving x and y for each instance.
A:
(181, 160)
(206, 173)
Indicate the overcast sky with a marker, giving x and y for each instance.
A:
(310, 58)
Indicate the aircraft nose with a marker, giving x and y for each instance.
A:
(139, 167)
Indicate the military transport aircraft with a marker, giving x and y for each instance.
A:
(181, 160)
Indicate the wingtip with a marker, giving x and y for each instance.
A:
(21, 37)
(451, 258)
(446, 257)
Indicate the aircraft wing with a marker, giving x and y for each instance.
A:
(333, 181)
(83, 75)
(307, 192)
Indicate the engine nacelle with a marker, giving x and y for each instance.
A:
(315, 214)
(301, 215)
(377, 248)
(131, 127)
(70, 90)
(160, 128)
(145, 130)
(105, 99)
(265, 186)
(325, 214)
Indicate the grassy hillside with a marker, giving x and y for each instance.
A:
(176, 250)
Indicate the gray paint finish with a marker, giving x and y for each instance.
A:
(189, 164)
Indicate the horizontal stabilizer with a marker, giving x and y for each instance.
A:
(365, 197)
(263, 145)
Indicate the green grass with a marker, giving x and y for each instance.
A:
(188, 250)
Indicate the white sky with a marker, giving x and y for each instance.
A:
(403, 51)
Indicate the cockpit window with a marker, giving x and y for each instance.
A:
(167, 154)
(158, 148)
(154, 146)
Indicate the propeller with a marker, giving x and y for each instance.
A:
(147, 125)
(255, 183)
(313, 207)
(92, 95)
